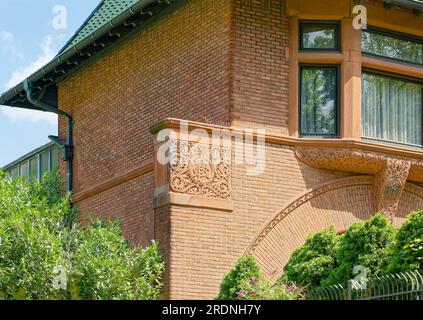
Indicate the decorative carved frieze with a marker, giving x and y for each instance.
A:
(355, 161)
(200, 169)
(391, 173)
(388, 186)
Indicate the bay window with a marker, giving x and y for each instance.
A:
(319, 100)
(392, 45)
(391, 109)
(391, 71)
(319, 35)
(392, 104)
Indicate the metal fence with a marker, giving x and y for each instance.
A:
(400, 286)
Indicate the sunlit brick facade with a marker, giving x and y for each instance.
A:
(231, 65)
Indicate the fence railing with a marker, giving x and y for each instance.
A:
(400, 286)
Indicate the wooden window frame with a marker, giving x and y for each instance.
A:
(335, 23)
(394, 76)
(337, 100)
(393, 34)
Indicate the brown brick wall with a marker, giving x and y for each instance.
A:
(177, 67)
(211, 61)
(181, 67)
(131, 202)
(206, 243)
(260, 64)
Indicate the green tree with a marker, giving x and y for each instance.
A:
(105, 268)
(313, 262)
(368, 244)
(40, 240)
(238, 278)
(246, 282)
(31, 221)
(408, 251)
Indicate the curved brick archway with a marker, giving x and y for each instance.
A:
(339, 203)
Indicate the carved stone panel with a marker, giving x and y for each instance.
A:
(390, 172)
(200, 169)
(388, 186)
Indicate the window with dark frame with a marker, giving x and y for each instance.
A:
(319, 100)
(320, 36)
(392, 45)
(392, 105)
(392, 108)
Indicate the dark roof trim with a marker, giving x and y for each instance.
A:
(81, 27)
(412, 4)
(29, 155)
(44, 80)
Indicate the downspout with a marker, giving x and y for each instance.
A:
(66, 146)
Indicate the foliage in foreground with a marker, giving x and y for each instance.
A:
(45, 254)
(327, 258)
(247, 282)
(315, 259)
(368, 244)
(408, 251)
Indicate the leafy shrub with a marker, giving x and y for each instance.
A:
(262, 289)
(313, 261)
(368, 244)
(246, 282)
(39, 238)
(408, 251)
(104, 267)
(30, 244)
(238, 278)
(327, 258)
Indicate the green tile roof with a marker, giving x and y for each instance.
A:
(104, 13)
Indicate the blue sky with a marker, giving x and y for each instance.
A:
(31, 34)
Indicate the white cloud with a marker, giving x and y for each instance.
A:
(24, 72)
(9, 47)
(16, 114)
(6, 36)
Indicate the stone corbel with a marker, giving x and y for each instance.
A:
(389, 185)
(390, 173)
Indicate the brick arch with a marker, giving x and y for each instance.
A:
(411, 200)
(339, 203)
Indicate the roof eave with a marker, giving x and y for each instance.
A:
(141, 8)
(411, 4)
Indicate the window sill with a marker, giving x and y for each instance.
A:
(394, 144)
(360, 144)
